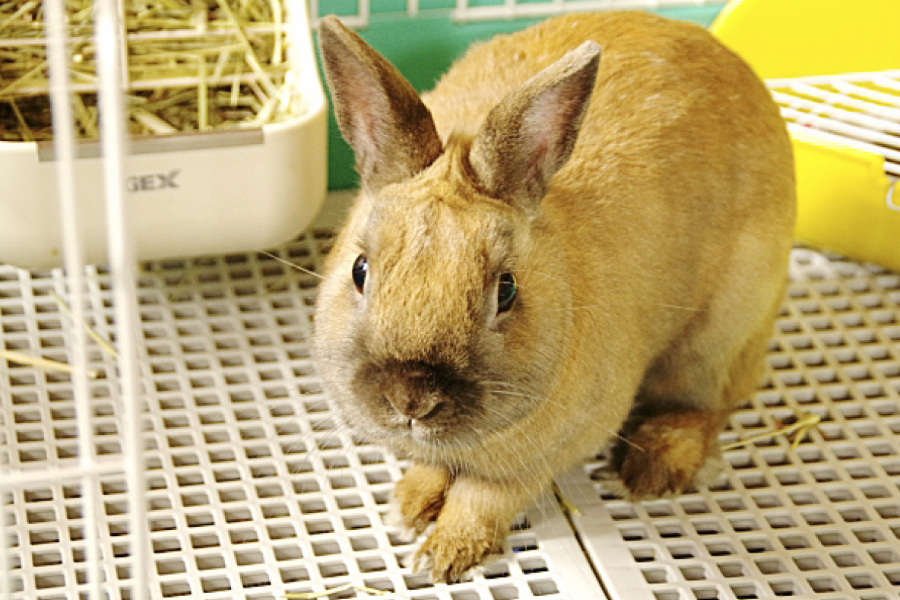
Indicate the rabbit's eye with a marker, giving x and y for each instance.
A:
(507, 291)
(360, 268)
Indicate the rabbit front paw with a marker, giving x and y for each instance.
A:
(455, 550)
(418, 498)
(472, 521)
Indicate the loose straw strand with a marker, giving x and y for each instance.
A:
(101, 341)
(342, 588)
(806, 423)
(42, 363)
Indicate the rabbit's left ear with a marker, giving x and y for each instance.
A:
(530, 135)
(378, 112)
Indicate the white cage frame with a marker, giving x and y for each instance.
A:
(856, 110)
(464, 11)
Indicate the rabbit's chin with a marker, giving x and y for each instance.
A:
(422, 434)
(400, 432)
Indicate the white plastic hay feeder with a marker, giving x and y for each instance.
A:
(188, 192)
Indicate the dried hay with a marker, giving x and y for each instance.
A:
(192, 65)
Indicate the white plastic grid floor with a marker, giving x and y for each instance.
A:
(253, 492)
(819, 522)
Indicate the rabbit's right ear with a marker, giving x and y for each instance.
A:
(530, 135)
(378, 112)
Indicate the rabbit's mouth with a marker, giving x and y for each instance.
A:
(442, 427)
(423, 432)
(419, 402)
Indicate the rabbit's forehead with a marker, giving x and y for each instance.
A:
(445, 230)
(430, 266)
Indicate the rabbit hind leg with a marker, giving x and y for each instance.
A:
(670, 441)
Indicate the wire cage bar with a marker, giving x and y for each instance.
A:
(361, 11)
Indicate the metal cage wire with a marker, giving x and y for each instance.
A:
(466, 10)
(108, 39)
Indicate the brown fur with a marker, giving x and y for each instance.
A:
(649, 265)
(420, 495)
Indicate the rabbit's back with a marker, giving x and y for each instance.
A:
(667, 93)
(682, 155)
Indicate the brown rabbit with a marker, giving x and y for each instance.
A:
(548, 250)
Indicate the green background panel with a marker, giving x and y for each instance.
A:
(383, 6)
(424, 46)
(432, 4)
(338, 7)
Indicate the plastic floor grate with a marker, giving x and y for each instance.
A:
(820, 521)
(253, 492)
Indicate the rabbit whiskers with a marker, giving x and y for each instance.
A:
(290, 264)
(556, 403)
(591, 306)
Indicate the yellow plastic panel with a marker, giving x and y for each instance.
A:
(842, 201)
(795, 38)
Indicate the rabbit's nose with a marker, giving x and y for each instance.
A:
(413, 402)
